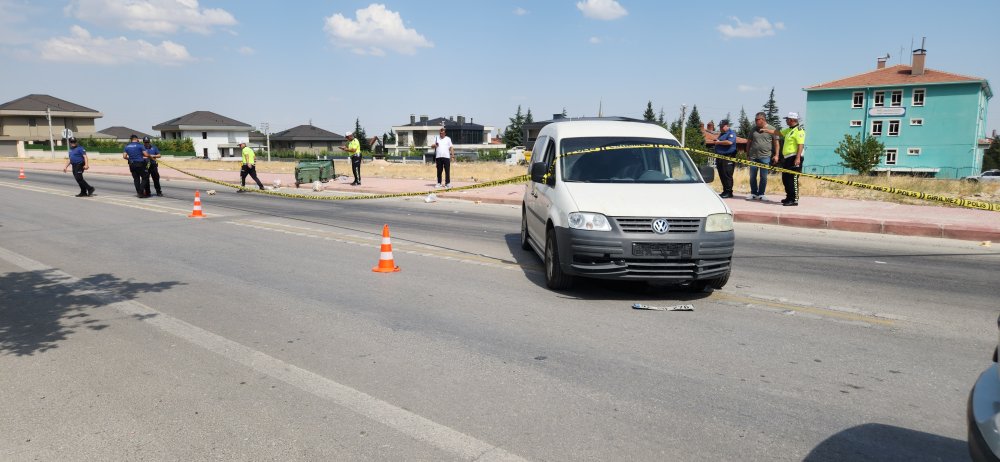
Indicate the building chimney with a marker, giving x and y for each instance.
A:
(919, 57)
(461, 119)
(880, 64)
(413, 119)
(423, 118)
(451, 118)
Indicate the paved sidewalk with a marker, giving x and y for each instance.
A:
(813, 212)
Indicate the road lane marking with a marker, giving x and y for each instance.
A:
(113, 199)
(404, 421)
(814, 310)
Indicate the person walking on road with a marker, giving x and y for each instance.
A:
(795, 144)
(154, 171)
(79, 161)
(444, 152)
(354, 148)
(763, 149)
(137, 156)
(248, 167)
(726, 146)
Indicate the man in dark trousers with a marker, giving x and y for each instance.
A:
(249, 167)
(79, 161)
(137, 157)
(154, 171)
(794, 145)
(354, 148)
(726, 145)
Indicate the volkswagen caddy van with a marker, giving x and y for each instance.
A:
(617, 198)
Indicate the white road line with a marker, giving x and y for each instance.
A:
(409, 423)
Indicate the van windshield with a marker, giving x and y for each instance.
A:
(632, 164)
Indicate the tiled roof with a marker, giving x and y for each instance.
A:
(895, 75)
(202, 119)
(42, 102)
(121, 133)
(307, 133)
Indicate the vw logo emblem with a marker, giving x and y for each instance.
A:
(660, 226)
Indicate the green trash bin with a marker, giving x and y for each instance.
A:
(326, 172)
(308, 171)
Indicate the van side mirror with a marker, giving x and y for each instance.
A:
(707, 172)
(537, 171)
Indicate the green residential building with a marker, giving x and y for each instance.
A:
(932, 123)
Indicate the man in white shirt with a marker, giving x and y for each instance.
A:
(444, 151)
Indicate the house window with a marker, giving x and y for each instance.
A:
(855, 123)
(890, 156)
(32, 122)
(916, 122)
(893, 128)
(858, 100)
(913, 151)
(876, 128)
(918, 97)
(204, 135)
(879, 98)
(897, 98)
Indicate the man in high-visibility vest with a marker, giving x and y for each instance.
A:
(354, 148)
(249, 167)
(794, 144)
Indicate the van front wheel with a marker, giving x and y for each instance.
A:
(524, 230)
(555, 278)
(716, 283)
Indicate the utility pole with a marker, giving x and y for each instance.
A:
(266, 128)
(683, 124)
(52, 142)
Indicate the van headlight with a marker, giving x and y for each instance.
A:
(719, 222)
(589, 221)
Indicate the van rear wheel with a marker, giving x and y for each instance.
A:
(555, 278)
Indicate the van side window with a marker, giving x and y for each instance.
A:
(550, 153)
(538, 151)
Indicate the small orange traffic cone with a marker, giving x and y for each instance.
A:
(385, 261)
(21, 176)
(196, 211)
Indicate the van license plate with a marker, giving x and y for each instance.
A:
(667, 250)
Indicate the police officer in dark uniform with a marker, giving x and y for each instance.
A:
(137, 157)
(154, 172)
(79, 161)
(725, 145)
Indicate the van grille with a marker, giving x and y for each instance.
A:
(645, 225)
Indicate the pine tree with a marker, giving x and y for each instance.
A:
(745, 127)
(770, 110)
(564, 114)
(660, 119)
(649, 115)
(694, 138)
(513, 135)
(359, 134)
(529, 118)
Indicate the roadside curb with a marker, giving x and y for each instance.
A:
(870, 225)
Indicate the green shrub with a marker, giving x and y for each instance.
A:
(493, 155)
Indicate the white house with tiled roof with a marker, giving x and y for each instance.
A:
(214, 136)
(932, 123)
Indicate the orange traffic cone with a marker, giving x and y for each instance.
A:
(20, 176)
(196, 211)
(385, 261)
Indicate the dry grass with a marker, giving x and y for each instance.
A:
(488, 171)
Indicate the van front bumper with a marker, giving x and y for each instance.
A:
(663, 257)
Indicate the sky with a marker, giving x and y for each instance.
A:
(287, 63)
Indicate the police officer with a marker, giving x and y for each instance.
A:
(354, 148)
(137, 156)
(79, 161)
(154, 172)
(249, 167)
(725, 145)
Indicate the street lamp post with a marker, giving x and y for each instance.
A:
(266, 128)
(683, 124)
(52, 142)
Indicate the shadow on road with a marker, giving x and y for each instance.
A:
(599, 289)
(879, 442)
(38, 309)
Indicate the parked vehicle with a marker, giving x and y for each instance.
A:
(515, 155)
(988, 175)
(983, 413)
(641, 212)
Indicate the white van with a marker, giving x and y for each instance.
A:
(639, 212)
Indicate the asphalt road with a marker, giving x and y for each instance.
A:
(129, 331)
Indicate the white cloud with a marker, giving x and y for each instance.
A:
(605, 10)
(246, 51)
(747, 88)
(81, 47)
(375, 30)
(154, 16)
(760, 27)
(520, 11)
(594, 40)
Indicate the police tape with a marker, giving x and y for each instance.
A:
(488, 184)
(979, 205)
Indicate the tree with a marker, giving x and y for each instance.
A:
(694, 138)
(991, 158)
(513, 135)
(359, 134)
(860, 155)
(390, 137)
(744, 128)
(770, 110)
(649, 115)
(660, 119)
(564, 114)
(528, 118)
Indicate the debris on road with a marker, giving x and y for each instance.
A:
(640, 306)
(431, 198)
